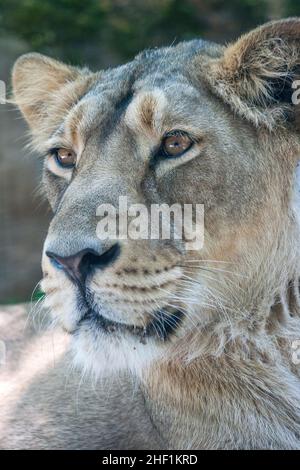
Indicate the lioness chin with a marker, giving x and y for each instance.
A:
(206, 335)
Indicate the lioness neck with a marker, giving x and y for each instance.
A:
(226, 401)
(239, 388)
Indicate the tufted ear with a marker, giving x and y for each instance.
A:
(44, 89)
(257, 74)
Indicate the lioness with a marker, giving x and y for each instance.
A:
(189, 350)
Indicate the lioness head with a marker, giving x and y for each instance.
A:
(196, 123)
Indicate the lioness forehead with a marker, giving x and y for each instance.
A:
(141, 91)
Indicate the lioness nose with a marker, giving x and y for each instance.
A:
(79, 265)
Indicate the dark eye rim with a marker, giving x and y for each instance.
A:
(54, 152)
(175, 132)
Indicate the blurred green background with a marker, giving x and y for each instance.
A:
(80, 31)
(97, 33)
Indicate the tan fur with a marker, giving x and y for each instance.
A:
(224, 377)
(241, 77)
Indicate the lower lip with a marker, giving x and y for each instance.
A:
(161, 327)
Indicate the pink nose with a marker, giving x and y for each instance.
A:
(81, 264)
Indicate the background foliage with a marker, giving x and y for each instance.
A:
(81, 31)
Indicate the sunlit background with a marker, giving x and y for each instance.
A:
(97, 33)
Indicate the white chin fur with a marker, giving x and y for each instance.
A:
(100, 353)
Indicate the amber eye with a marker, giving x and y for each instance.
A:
(176, 143)
(65, 158)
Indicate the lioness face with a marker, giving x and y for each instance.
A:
(169, 127)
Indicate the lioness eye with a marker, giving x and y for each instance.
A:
(176, 143)
(65, 158)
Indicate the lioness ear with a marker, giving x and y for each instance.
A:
(255, 75)
(44, 89)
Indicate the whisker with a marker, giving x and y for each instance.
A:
(212, 270)
(220, 300)
(207, 261)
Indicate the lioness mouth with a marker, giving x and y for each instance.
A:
(164, 324)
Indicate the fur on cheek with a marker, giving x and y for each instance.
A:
(61, 300)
